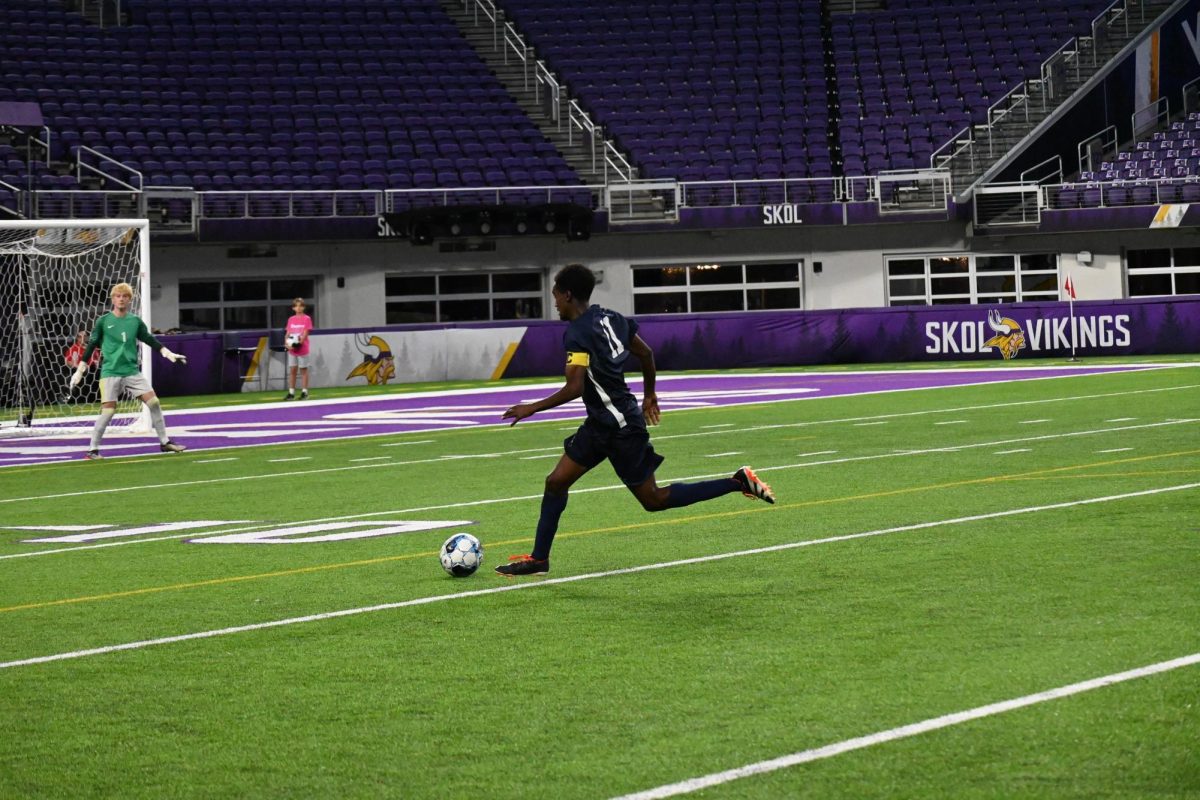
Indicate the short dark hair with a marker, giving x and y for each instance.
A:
(576, 279)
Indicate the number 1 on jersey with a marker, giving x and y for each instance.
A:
(614, 343)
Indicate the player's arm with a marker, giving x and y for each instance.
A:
(642, 352)
(93, 343)
(571, 390)
(146, 337)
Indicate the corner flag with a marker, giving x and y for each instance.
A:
(1069, 288)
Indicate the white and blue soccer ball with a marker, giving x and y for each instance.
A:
(461, 555)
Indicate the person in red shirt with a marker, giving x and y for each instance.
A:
(74, 354)
(295, 338)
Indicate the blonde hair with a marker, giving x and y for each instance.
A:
(121, 288)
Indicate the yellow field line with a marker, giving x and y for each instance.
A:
(757, 509)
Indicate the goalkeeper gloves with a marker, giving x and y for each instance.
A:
(174, 358)
(77, 376)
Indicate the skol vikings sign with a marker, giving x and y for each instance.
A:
(1010, 337)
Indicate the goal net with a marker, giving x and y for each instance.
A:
(55, 279)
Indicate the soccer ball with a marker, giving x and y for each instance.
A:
(461, 555)
(293, 341)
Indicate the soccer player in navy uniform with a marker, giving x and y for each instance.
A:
(598, 343)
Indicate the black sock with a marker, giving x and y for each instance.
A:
(552, 508)
(684, 494)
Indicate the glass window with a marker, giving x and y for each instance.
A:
(463, 284)
(1148, 259)
(915, 301)
(517, 308)
(995, 263)
(992, 284)
(906, 266)
(236, 291)
(464, 310)
(660, 303)
(996, 298)
(1039, 283)
(709, 274)
(1187, 283)
(200, 292)
(659, 276)
(907, 287)
(1187, 256)
(772, 273)
(402, 285)
(949, 265)
(1040, 262)
(939, 286)
(517, 282)
(725, 300)
(200, 319)
(1149, 284)
(244, 317)
(289, 289)
(764, 299)
(412, 311)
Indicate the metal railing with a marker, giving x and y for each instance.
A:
(1006, 204)
(1191, 96)
(1094, 148)
(491, 12)
(1119, 194)
(514, 42)
(83, 9)
(104, 167)
(551, 96)
(1044, 172)
(639, 201)
(591, 196)
(18, 202)
(762, 191)
(908, 191)
(86, 204)
(1150, 117)
(578, 118)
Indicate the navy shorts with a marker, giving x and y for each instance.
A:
(628, 449)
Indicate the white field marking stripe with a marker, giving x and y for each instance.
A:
(905, 731)
(1009, 452)
(1031, 421)
(281, 460)
(373, 458)
(215, 460)
(816, 453)
(402, 444)
(951, 422)
(517, 498)
(731, 453)
(864, 424)
(722, 425)
(501, 428)
(1115, 450)
(1121, 419)
(512, 587)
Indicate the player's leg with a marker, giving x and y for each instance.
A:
(292, 365)
(636, 462)
(582, 452)
(109, 392)
(156, 419)
(304, 378)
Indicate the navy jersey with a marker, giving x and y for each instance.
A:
(598, 339)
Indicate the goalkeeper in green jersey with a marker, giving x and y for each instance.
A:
(117, 335)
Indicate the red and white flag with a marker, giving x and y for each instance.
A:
(1069, 288)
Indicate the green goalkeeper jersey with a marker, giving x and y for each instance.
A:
(117, 338)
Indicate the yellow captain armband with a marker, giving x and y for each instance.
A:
(578, 359)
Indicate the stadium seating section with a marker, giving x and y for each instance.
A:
(275, 94)
(308, 95)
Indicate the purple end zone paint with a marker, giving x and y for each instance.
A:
(313, 420)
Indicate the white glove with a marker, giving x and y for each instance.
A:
(174, 358)
(77, 376)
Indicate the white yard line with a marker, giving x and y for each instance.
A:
(402, 444)
(816, 453)
(513, 587)
(865, 424)
(372, 458)
(905, 731)
(1032, 421)
(720, 455)
(951, 422)
(498, 500)
(1010, 452)
(1116, 450)
(722, 425)
(1121, 419)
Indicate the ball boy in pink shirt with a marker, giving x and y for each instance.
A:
(296, 340)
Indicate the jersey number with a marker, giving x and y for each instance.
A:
(122, 337)
(614, 343)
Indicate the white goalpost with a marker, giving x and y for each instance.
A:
(55, 279)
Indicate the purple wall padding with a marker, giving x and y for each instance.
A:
(792, 338)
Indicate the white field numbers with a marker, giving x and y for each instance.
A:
(614, 344)
(55, 280)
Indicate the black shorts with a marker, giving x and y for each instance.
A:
(628, 449)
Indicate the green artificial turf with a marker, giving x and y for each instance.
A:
(622, 682)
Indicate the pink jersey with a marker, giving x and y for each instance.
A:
(299, 324)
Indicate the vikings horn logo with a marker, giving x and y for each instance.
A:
(378, 367)
(1009, 338)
